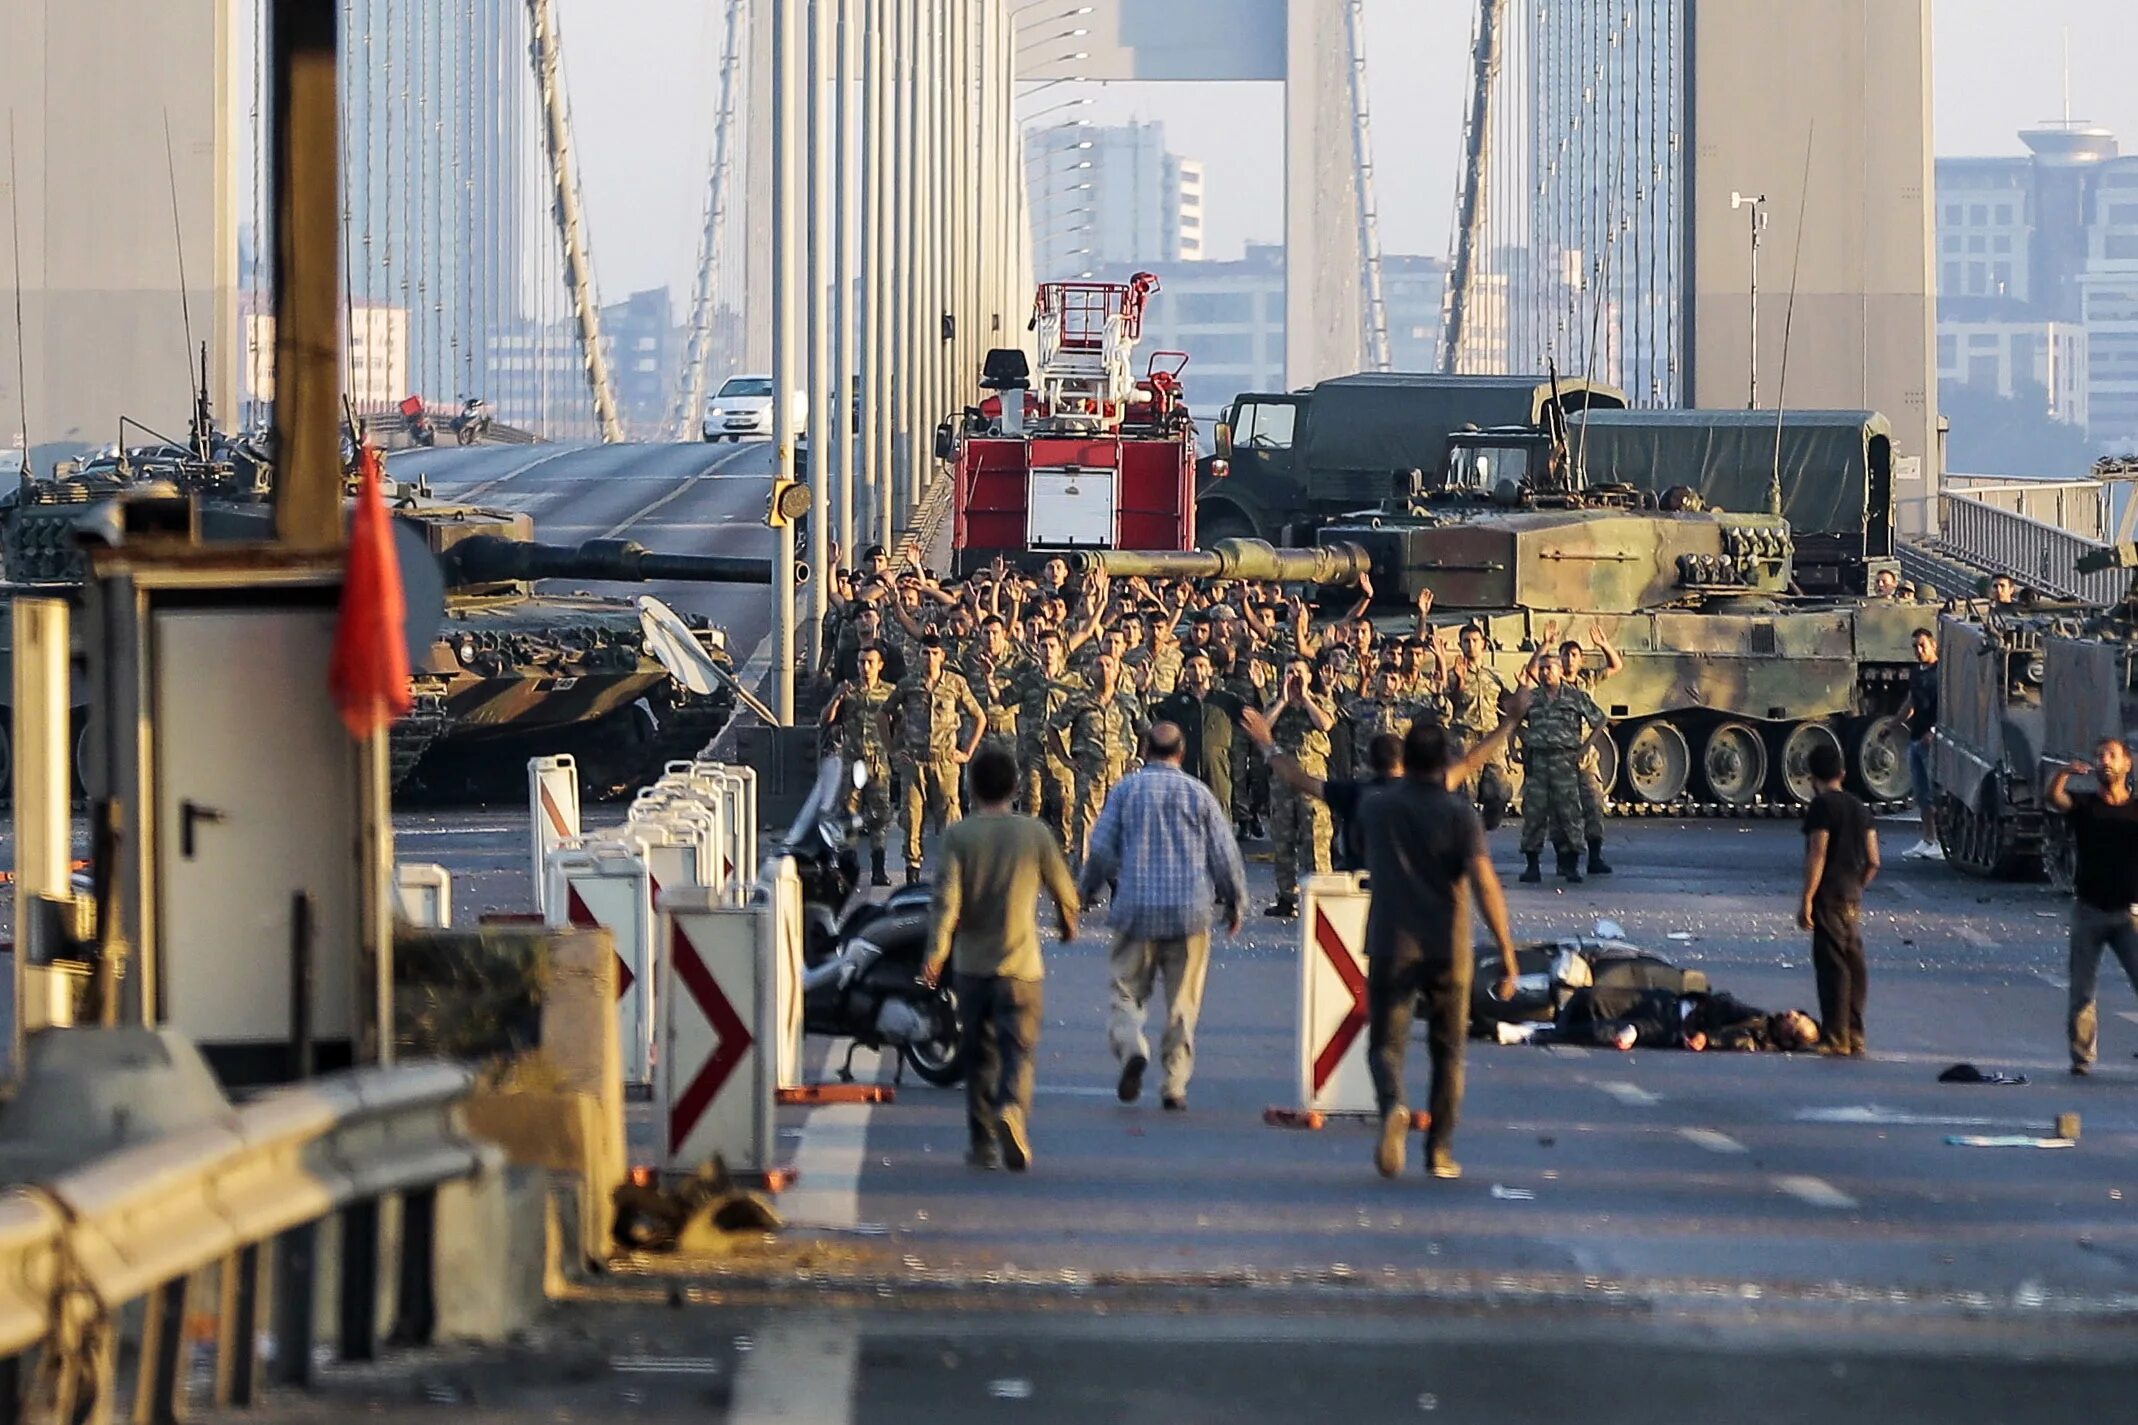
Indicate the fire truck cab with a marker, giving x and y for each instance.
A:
(1083, 453)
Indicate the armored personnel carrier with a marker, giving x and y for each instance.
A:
(2022, 690)
(514, 671)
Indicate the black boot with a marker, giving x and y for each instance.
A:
(1569, 865)
(913, 875)
(1285, 908)
(1530, 874)
(1597, 865)
(877, 875)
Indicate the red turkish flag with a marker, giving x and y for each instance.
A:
(369, 674)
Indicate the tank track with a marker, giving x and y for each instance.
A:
(1687, 808)
(413, 735)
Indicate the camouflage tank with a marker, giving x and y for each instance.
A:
(513, 672)
(1730, 680)
(2022, 690)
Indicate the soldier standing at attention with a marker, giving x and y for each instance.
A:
(1099, 726)
(1475, 694)
(1300, 719)
(861, 710)
(1049, 778)
(1556, 728)
(1588, 679)
(1166, 657)
(928, 713)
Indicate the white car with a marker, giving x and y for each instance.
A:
(742, 408)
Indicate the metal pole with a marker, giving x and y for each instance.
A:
(785, 45)
(307, 205)
(846, 238)
(822, 419)
(875, 412)
(905, 196)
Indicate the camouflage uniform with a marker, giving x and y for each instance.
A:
(865, 739)
(1299, 824)
(1049, 782)
(1369, 717)
(1102, 737)
(1165, 670)
(931, 720)
(1473, 703)
(1593, 790)
(1553, 732)
(997, 684)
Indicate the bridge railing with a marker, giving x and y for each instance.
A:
(2037, 554)
(2083, 507)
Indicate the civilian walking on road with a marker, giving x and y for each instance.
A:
(1426, 857)
(994, 864)
(1920, 713)
(2104, 911)
(1840, 860)
(1168, 844)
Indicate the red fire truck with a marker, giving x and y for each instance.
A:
(1082, 453)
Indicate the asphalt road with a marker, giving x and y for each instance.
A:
(674, 499)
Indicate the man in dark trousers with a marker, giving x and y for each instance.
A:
(1426, 854)
(994, 865)
(2104, 908)
(1840, 859)
(1205, 715)
(1920, 713)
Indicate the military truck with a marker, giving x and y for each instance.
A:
(1288, 462)
(1832, 472)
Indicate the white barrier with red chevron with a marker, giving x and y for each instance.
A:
(553, 807)
(781, 892)
(716, 1072)
(607, 884)
(1333, 1073)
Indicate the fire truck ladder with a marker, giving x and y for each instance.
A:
(1087, 335)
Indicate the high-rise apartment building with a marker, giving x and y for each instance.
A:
(1110, 196)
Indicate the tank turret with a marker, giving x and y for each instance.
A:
(1334, 564)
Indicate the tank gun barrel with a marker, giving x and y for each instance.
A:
(1333, 564)
(2115, 556)
(488, 559)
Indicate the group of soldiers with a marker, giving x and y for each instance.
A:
(918, 675)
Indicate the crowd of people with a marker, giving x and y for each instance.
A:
(1066, 675)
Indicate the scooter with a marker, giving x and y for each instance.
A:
(473, 422)
(862, 976)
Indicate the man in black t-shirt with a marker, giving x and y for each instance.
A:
(1840, 859)
(2104, 909)
(1920, 713)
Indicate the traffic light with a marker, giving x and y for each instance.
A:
(789, 502)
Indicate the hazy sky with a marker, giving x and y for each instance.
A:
(642, 77)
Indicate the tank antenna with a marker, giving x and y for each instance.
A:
(22, 365)
(1781, 402)
(178, 242)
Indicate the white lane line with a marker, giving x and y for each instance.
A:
(1077, 1090)
(1567, 1051)
(2054, 981)
(515, 472)
(1816, 1191)
(2129, 1014)
(1974, 937)
(1632, 1095)
(690, 483)
(829, 1159)
(1713, 1141)
(798, 1371)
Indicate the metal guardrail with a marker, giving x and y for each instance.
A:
(2038, 555)
(140, 1222)
(2080, 507)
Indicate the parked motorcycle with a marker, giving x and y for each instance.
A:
(473, 422)
(862, 977)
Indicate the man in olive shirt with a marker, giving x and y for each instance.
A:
(986, 927)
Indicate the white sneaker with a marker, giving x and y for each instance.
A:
(1930, 851)
(1920, 850)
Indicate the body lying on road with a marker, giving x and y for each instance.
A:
(1606, 992)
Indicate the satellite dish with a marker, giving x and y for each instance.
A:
(676, 647)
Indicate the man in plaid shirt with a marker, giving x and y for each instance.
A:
(1169, 845)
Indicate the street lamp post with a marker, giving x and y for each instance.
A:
(785, 46)
(1758, 205)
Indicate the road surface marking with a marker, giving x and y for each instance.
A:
(1816, 1191)
(1567, 1051)
(1711, 1140)
(798, 1370)
(1632, 1095)
(515, 472)
(689, 484)
(1874, 1116)
(1078, 1090)
(2129, 1014)
(668, 1365)
(2053, 980)
(1974, 937)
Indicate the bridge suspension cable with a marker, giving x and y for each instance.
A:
(712, 243)
(1375, 308)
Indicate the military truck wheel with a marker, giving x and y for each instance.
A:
(1658, 763)
(2059, 854)
(1734, 764)
(1221, 524)
(1878, 758)
(1794, 779)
